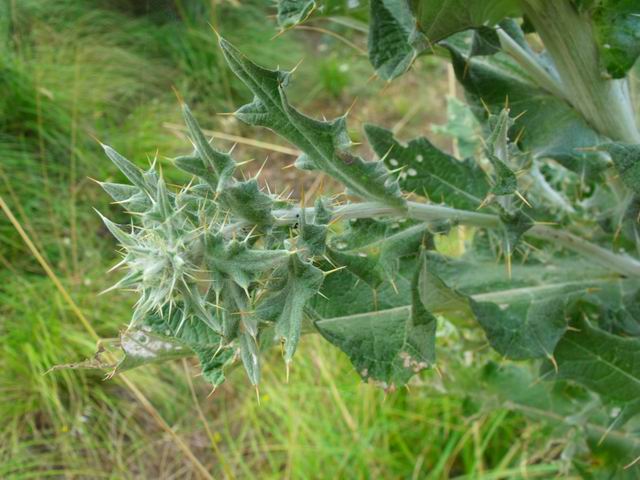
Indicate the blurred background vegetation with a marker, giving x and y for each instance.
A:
(72, 71)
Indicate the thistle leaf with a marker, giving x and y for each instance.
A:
(436, 295)
(393, 39)
(201, 339)
(220, 166)
(438, 19)
(371, 249)
(313, 236)
(514, 225)
(626, 158)
(617, 23)
(292, 12)
(247, 201)
(386, 346)
(132, 198)
(547, 126)
(237, 261)
(606, 364)
(506, 182)
(429, 171)
(250, 355)
(526, 329)
(324, 143)
(194, 165)
(125, 239)
(286, 307)
(142, 347)
(133, 173)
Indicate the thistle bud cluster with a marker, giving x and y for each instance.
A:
(184, 257)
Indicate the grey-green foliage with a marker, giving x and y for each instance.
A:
(528, 329)
(626, 158)
(442, 18)
(617, 24)
(292, 12)
(325, 144)
(606, 364)
(428, 171)
(388, 346)
(394, 42)
(224, 269)
(547, 127)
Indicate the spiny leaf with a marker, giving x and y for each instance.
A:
(220, 166)
(133, 173)
(529, 329)
(132, 198)
(250, 357)
(125, 239)
(371, 249)
(172, 323)
(517, 388)
(387, 346)
(514, 225)
(439, 19)
(201, 339)
(547, 126)
(436, 295)
(360, 264)
(393, 39)
(238, 261)
(324, 143)
(292, 12)
(506, 182)
(606, 364)
(626, 158)
(497, 150)
(497, 143)
(617, 23)
(286, 307)
(194, 165)
(196, 304)
(142, 347)
(429, 171)
(247, 201)
(313, 236)
(214, 361)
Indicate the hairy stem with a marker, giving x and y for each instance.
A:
(569, 39)
(531, 65)
(508, 296)
(621, 264)
(552, 195)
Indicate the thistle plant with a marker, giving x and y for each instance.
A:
(226, 270)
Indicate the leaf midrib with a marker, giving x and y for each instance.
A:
(486, 297)
(328, 164)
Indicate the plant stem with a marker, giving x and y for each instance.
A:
(531, 65)
(621, 264)
(570, 41)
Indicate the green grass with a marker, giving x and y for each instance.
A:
(75, 69)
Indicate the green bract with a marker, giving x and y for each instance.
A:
(225, 270)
